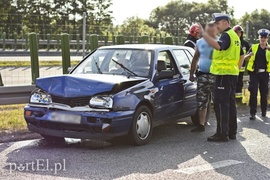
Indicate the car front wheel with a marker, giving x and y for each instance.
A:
(141, 129)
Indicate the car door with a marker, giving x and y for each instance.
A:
(183, 59)
(170, 95)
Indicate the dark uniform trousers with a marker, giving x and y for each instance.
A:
(258, 80)
(224, 104)
(240, 83)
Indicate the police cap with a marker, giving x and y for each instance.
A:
(220, 16)
(264, 32)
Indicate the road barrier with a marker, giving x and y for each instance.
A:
(34, 56)
(65, 52)
(50, 42)
(15, 94)
(169, 40)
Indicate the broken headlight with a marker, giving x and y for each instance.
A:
(101, 102)
(40, 97)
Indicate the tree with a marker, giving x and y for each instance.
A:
(257, 20)
(102, 15)
(135, 26)
(177, 16)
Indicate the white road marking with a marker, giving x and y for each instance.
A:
(238, 120)
(260, 119)
(207, 167)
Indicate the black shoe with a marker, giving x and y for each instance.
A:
(199, 128)
(218, 138)
(263, 114)
(252, 117)
(232, 137)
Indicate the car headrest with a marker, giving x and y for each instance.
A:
(161, 65)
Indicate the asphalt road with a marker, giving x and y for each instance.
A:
(173, 153)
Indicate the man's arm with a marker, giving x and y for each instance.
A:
(211, 41)
(194, 64)
(249, 54)
(241, 61)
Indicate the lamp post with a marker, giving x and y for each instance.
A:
(247, 29)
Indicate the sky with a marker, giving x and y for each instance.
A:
(123, 9)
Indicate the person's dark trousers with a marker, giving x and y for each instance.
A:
(224, 105)
(240, 84)
(258, 80)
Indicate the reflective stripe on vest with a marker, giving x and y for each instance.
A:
(250, 66)
(225, 62)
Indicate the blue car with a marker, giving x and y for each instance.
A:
(115, 91)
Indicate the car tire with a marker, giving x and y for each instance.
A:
(141, 128)
(53, 138)
(196, 119)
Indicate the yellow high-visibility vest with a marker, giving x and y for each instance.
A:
(250, 66)
(225, 62)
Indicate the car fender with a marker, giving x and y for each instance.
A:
(130, 98)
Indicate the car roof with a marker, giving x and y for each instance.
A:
(145, 46)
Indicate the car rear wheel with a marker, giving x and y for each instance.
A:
(52, 138)
(196, 118)
(141, 128)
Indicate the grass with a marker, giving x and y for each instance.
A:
(28, 63)
(11, 118)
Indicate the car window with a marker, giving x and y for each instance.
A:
(165, 56)
(190, 57)
(102, 61)
(182, 60)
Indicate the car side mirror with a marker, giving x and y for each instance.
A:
(165, 74)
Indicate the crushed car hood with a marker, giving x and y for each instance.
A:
(85, 84)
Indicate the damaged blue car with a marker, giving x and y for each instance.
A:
(115, 91)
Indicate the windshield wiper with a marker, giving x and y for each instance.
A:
(124, 67)
(98, 68)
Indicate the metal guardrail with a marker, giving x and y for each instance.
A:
(15, 94)
(20, 94)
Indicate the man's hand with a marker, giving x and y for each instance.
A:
(268, 48)
(200, 30)
(251, 54)
(247, 57)
(192, 78)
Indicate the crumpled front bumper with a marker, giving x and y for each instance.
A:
(93, 125)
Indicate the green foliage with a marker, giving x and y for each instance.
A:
(54, 16)
(257, 20)
(177, 16)
(136, 26)
(11, 117)
(28, 63)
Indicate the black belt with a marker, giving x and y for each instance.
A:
(204, 72)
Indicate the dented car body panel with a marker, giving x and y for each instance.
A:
(104, 96)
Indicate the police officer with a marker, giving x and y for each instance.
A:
(227, 59)
(259, 68)
(193, 36)
(245, 46)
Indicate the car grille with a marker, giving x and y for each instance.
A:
(72, 102)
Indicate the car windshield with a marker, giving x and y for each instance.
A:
(129, 62)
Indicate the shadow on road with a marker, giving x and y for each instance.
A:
(173, 147)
